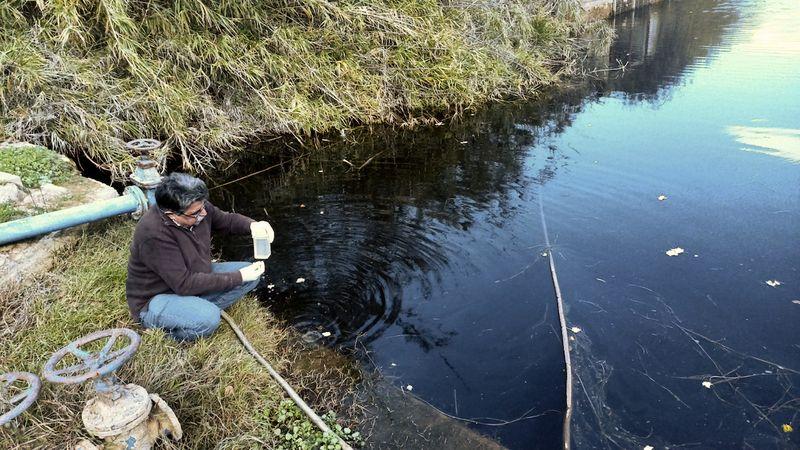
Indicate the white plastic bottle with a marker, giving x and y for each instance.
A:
(261, 248)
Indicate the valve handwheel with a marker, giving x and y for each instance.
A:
(93, 364)
(17, 398)
(142, 146)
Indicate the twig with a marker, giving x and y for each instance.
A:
(280, 164)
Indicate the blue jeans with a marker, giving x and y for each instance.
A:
(187, 318)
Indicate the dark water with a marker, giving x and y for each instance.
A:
(428, 261)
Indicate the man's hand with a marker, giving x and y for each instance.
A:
(264, 228)
(252, 272)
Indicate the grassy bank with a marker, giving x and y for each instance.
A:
(222, 397)
(86, 75)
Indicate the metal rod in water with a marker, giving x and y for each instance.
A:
(564, 337)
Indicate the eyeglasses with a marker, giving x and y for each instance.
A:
(197, 214)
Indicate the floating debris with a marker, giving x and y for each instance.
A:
(707, 384)
(662, 197)
(464, 142)
(320, 171)
(787, 428)
(300, 280)
(648, 447)
(393, 365)
(326, 333)
(796, 302)
(544, 253)
(600, 280)
(409, 387)
(322, 212)
(675, 251)
(774, 283)
(302, 205)
(575, 330)
(270, 286)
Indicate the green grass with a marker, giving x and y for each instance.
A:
(221, 395)
(35, 165)
(8, 212)
(207, 76)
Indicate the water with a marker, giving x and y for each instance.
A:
(428, 261)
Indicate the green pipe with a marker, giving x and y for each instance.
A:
(133, 200)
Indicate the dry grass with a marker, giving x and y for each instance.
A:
(220, 393)
(206, 76)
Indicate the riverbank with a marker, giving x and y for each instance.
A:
(218, 391)
(207, 78)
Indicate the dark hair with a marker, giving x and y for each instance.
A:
(179, 190)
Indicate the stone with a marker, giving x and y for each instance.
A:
(10, 193)
(6, 178)
(46, 195)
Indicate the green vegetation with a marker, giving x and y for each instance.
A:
(294, 431)
(8, 212)
(205, 76)
(35, 165)
(221, 395)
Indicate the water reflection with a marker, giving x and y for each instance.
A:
(660, 45)
(365, 239)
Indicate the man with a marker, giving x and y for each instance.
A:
(172, 283)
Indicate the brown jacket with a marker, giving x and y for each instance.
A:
(168, 259)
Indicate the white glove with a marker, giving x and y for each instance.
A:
(252, 272)
(264, 227)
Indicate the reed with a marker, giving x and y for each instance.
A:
(208, 76)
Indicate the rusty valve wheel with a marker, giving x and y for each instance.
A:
(94, 364)
(17, 403)
(142, 146)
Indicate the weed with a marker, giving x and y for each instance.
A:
(35, 165)
(205, 77)
(8, 212)
(218, 391)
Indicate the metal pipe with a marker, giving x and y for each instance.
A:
(133, 200)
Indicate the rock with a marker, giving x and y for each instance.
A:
(23, 259)
(10, 193)
(6, 178)
(46, 195)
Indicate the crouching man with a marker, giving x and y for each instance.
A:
(172, 283)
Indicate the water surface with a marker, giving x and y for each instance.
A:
(424, 251)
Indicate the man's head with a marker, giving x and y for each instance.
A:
(182, 197)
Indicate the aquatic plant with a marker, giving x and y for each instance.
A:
(205, 77)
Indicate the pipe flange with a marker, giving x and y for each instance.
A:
(17, 398)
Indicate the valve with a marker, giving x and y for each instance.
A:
(18, 391)
(123, 415)
(145, 176)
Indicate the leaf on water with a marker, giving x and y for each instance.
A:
(774, 283)
(300, 280)
(675, 251)
(787, 428)
(662, 197)
(707, 384)
(575, 330)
